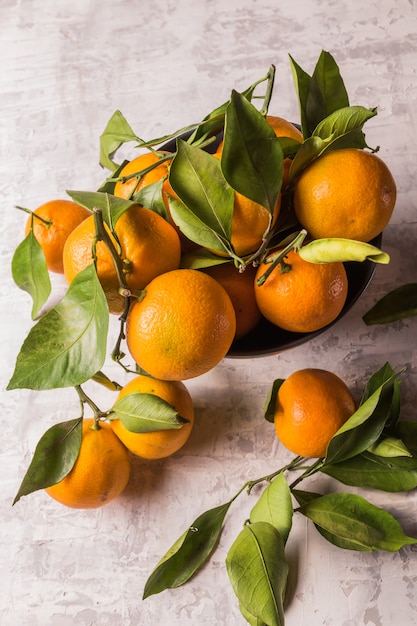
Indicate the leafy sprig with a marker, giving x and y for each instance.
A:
(256, 561)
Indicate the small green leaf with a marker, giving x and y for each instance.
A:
(151, 198)
(342, 122)
(330, 250)
(252, 155)
(54, 457)
(102, 379)
(188, 553)
(30, 272)
(364, 427)
(389, 447)
(275, 507)
(111, 206)
(117, 132)
(309, 150)
(145, 412)
(68, 344)
(302, 87)
(352, 521)
(258, 571)
(398, 304)
(271, 400)
(366, 470)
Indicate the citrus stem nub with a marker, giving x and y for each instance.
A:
(279, 259)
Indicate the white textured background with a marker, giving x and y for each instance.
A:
(65, 67)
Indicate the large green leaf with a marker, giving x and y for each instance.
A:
(275, 507)
(398, 304)
(54, 457)
(367, 470)
(252, 155)
(30, 272)
(145, 412)
(350, 521)
(196, 178)
(67, 346)
(188, 553)
(258, 571)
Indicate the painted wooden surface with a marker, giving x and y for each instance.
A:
(66, 66)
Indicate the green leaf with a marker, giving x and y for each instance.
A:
(188, 553)
(275, 507)
(214, 121)
(200, 258)
(364, 427)
(30, 272)
(252, 155)
(258, 571)
(377, 379)
(271, 400)
(145, 412)
(309, 150)
(251, 619)
(111, 206)
(207, 201)
(398, 304)
(302, 87)
(392, 474)
(54, 457)
(68, 344)
(343, 121)
(407, 430)
(117, 132)
(389, 447)
(151, 198)
(355, 523)
(327, 92)
(102, 379)
(330, 250)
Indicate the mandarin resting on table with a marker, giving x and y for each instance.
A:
(306, 297)
(240, 288)
(182, 327)
(100, 473)
(52, 223)
(347, 193)
(311, 405)
(157, 444)
(149, 246)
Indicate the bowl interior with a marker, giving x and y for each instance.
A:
(266, 338)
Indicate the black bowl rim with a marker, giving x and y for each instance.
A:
(359, 276)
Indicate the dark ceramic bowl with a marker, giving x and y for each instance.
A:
(267, 339)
